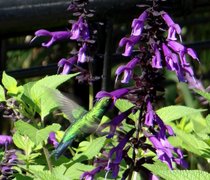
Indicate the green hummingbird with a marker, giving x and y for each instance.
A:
(85, 121)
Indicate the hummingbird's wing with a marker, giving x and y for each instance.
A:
(68, 106)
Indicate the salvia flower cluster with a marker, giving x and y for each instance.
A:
(79, 32)
(156, 40)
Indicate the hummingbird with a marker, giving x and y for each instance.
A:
(84, 121)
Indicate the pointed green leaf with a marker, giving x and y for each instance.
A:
(171, 113)
(23, 142)
(37, 136)
(204, 94)
(164, 172)
(2, 94)
(92, 150)
(78, 169)
(38, 93)
(43, 134)
(9, 83)
(22, 177)
(192, 143)
(47, 104)
(124, 105)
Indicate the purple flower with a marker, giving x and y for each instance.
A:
(156, 59)
(127, 69)
(90, 175)
(55, 36)
(114, 94)
(138, 24)
(129, 44)
(80, 30)
(165, 150)
(150, 114)
(116, 121)
(151, 117)
(182, 51)
(5, 140)
(172, 63)
(67, 64)
(6, 166)
(82, 54)
(113, 164)
(52, 139)
(173, 28)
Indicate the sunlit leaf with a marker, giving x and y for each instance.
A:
(78, 169)
(37, 136)
(164, 173)
(92, 150)
(2, 94)
(9, 83)
(171, 113)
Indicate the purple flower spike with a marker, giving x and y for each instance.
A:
(67, 64)
(173, 28)
(55, 36)
(90, 175)
(138, 24)
(114, 94)
(80, 30)
(156, 59)
(5, 140)
(127, 69)
(129, 44)
(82, 54)
(52, 139)
(116, 121)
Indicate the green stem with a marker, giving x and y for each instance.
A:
(47, 156)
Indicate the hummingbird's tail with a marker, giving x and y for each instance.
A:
(61, 148)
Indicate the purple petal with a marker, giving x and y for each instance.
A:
(177, 47)
(90, 175)
(42, 32)
(167, 19)
(192, 53)
(156, 60)
(120, 69)
(52, 139)
(117, 120)
(132, 63)
(114, 94)
(82, 54)
(149, 117)
(5, 140)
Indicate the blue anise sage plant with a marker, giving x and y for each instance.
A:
(154, 44)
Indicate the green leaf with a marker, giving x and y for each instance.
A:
(56, 174)
(2, 94)
(124, 105)
(22, 177)
(9, 83)
(78, 169)
(92, 150)
(204, 94)
(23, 142)
(171, 113)
(41, 97)
(192, 143)
(47, 105)
(164, 173)
(37, 136)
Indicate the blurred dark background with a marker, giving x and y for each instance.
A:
(25, 61)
